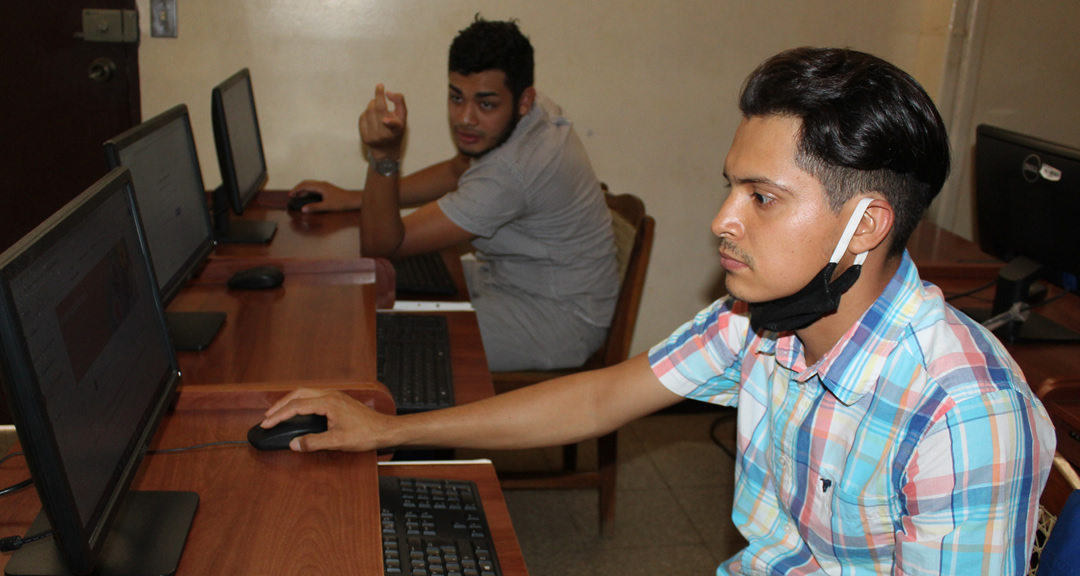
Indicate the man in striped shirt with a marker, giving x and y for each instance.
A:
(520, 188)
(878, 432)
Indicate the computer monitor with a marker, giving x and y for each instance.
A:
(240, 156)
(1027, 196)
(88, 372)
(160, 153)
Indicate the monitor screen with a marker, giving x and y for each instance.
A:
(86, 363)
(238, 141)
(160, 153)
(1027, 193)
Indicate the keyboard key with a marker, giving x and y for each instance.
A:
(413, 360)
(440, 541)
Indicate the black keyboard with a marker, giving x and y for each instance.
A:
(424, 274)
(412, 358)
(434, 527)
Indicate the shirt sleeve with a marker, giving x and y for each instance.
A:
(970, 498)
(702, 360)
(487, 198)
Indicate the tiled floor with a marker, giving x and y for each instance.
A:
(673, 504)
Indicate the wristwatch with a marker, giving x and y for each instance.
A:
(385, 167)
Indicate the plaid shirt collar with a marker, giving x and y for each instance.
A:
(852, 367)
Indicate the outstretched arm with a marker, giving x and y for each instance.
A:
(417, 188)
(550, 413)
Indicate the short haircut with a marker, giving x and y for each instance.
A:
(866, 126)
(494, 45)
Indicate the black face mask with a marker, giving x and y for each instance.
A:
(817, 298)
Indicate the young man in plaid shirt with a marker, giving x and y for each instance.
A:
(880, 432)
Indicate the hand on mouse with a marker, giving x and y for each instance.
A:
(335, 198)
(351, 425)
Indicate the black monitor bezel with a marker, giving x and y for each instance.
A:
(993, 218)
(238, 199)
(170, 287)
(78, 546)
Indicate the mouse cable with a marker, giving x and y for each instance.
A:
(951, 297)
(163, 451)
(15, 542)
(712, 433)
(12, 543)
(19, 485)
(5, 458)
(15, 487)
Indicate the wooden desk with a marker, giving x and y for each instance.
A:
(1038, 360)
(942, 254)
(312, 331)
(957, 265)
(301, 331)
(318, 326)
(326, 235)
(266, 513)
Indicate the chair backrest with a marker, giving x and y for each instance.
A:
(1060, 486)
(1055, 548)
(633, 240)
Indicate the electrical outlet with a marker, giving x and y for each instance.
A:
(163, 18)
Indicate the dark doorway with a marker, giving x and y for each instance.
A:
(55, 115)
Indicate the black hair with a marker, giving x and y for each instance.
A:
(494, 45)
(866, 126)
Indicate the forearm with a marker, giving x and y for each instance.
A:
(381, 228)
(551, 413)
(432, 182)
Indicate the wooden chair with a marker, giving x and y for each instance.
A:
(633, 238)
(1061, 484)
(1063, 480)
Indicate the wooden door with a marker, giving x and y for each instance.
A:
(55, 117)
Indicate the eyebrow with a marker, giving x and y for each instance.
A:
(758, 180)
(460, 92)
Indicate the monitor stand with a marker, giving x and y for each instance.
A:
(1014, 285)
(231, 231)
(193, 331)
(146, 538)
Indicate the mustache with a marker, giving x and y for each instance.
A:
(729, 247)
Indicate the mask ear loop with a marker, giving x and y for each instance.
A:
(849, 231)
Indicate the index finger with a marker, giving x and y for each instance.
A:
(298, 394)
(302, 186)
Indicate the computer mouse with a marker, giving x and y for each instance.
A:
(257, 278)
(304, 198)
(278, 437)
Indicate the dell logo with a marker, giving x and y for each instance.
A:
(1030, 168)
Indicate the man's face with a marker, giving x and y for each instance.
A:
(481, 110)
(776, 229)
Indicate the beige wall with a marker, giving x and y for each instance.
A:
(1024, 76)
(651, 85)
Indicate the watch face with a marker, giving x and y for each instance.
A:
(386, 167)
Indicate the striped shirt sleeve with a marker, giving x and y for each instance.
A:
(970, 496)
(702, 359)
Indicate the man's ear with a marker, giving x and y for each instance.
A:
(875, 227)
(525, 102)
